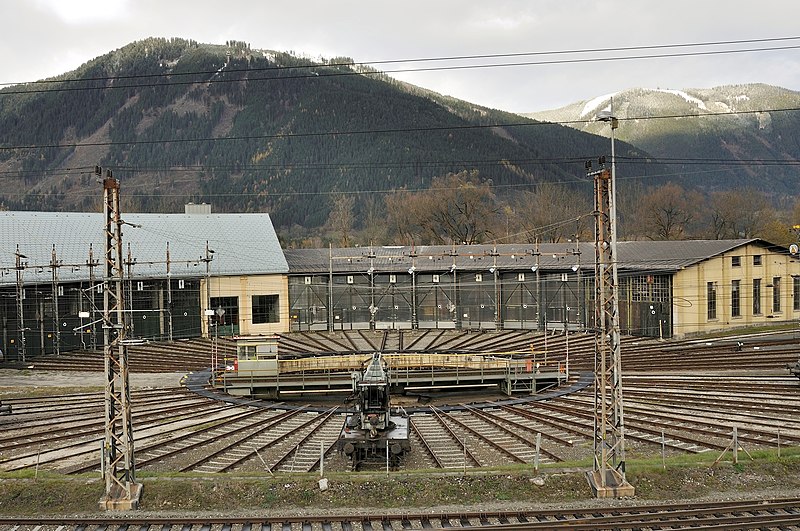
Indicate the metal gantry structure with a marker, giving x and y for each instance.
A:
(608, 474)
(118, 466)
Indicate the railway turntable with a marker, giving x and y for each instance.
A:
(261, 371)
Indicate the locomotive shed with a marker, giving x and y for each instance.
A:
(686, 395)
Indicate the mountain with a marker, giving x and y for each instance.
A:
(258, 130)
(249, 130)
(712, 139)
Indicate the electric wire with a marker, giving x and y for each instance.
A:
(577, 180)
(414, 60)
(620, 160)
(417, 69)
(388, 130)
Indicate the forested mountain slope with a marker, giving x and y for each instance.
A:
(250, 130)
(723, 138)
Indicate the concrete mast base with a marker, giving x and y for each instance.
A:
(615, 485)
(119, 500)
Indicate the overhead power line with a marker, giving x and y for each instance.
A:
(391, 130)
(416, 60)
(578, 180)
(204, 168)
(280, 69)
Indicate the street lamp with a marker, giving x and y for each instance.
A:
(608, 477)
(608, 116)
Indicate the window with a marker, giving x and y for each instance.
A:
(776, 294)
(226, 310)
(650, 288)
(756, 296)
(735, 307)
(796, 293)
(265, 309)
(757, 260)
(736, 261)
(712, 300)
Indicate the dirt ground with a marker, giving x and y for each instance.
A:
(18, 379)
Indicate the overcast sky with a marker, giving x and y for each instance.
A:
(41, 38)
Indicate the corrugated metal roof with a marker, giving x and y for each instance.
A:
(242, 244)
(667, 256)
(247, 244)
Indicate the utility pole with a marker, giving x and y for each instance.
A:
(129, 299)
(209, 312)
(169, 294)
(54, 265)
(608, 475)
(92, 264)
(495, 277)
(118, 466)
(20, 268)
(330, 287)
(413, 272)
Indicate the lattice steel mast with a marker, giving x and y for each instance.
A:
(608, 475)
(118, 466)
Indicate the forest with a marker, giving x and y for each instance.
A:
(461, 208)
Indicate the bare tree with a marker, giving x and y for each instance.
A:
(375, 229)
(629, 197)
(341, 218)
(400, 211)
(458, 207)
(553, 213)
(668, 211)
(739, 214)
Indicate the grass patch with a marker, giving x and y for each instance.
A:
(685, 477)
(748, 330)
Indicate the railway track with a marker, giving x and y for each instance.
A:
(177, 429)
(157, 357)
(783, 513)
(181, 431)
(690, 404)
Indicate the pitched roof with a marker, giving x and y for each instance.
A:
(242, 244)
(666, 256)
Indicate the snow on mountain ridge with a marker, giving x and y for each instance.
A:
(685, 96)
(595, 102)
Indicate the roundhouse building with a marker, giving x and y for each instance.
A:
(200, 274)
(667, 288)
(186, 275)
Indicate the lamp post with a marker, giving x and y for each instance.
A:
(608, 476)
(608, 116)
(209, 313)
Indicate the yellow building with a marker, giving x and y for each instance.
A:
(750, 283)
(252, 305)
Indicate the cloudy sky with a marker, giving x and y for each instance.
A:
(41, 38)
